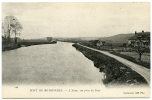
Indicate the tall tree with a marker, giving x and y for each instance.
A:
(11, 26)
(140, 48)
(103, 42)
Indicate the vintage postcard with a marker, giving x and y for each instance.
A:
(75, 50)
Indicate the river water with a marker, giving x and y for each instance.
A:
(51, 64)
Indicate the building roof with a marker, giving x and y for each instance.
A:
(143, 35)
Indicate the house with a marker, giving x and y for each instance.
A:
(141, 38)
(96, 42)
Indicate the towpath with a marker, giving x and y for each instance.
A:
(143, 71)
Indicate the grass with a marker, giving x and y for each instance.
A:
(116, 72)
(145, 57)
(133, 59)
(118, 51)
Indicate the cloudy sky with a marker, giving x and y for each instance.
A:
(79, 19)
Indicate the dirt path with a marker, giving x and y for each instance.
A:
(138, 68)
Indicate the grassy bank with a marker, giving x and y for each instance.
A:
(116, 73)
(117, 53)
(10, 46)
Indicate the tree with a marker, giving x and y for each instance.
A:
(124, 44)
(140, 48)
(16, 29)
(11, 25)
(103, 43)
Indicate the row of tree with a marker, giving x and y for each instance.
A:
(10, 25)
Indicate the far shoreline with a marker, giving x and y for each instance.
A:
(20, 44)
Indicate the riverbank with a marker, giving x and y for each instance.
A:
(116, 52)
(12, 46)
(115, 72)
(30, 43)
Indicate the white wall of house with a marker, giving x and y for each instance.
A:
(99, 43)
(129, 42)
(144, 43)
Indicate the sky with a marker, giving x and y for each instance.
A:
(78, 19)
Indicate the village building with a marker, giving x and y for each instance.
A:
(97, 42)
(141, 38)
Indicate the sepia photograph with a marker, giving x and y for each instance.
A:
(75, 49)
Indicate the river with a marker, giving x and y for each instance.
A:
(50, 64)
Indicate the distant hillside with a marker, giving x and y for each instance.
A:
(123, 38)
(120, 38)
